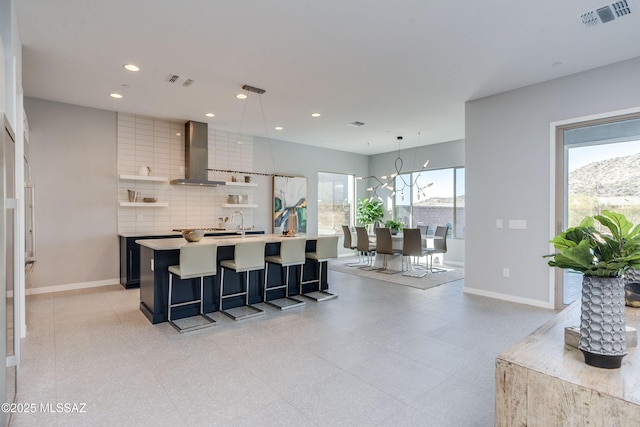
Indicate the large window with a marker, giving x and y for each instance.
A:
(335, 202)
(441, 203)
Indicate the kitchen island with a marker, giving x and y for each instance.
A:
(156, 255)
(130, 251)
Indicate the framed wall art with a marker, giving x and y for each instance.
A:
(289, 204)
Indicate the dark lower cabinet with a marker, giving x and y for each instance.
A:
(130, 259)
(129, 263)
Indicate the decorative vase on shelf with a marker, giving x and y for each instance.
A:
(144, 170)
(603, 336)
(292, 222)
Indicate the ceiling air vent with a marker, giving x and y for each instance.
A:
(605, 14)
(176, 79)
(355, 124)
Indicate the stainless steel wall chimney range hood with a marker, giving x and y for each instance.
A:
(196, 156)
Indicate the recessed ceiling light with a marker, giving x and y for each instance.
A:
(241, 96)
(315, 114)
(131, 67)
(210, 115)
(178, 134)
(279, 128)
(115, 95)
(240, 142)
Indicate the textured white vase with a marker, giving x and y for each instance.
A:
(602, 323)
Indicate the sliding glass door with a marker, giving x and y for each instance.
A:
(335, 202)
(598, 168)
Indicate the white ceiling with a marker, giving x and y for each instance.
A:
(403, 67)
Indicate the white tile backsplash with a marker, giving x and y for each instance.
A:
(153, 142)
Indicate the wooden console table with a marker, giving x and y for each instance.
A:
(542, 382)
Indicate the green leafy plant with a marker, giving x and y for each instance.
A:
(369, 211)
(586, 250)
(393, 224)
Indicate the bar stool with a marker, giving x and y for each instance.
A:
(196, 260)
(248, 256)
(326, 249)
(291, 254)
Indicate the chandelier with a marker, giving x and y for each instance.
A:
(398, 181)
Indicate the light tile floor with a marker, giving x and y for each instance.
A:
(379, 355)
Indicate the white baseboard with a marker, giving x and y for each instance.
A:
(71, 286)
(506, 297)
(455, 264)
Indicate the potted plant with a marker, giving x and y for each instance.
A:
(369, 212)
(394, 225)
(602, 258)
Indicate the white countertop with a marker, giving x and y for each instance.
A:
(177, 243)
(171, 233)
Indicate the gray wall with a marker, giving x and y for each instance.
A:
(73, 165)
(508, 155)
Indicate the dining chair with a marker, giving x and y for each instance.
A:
(348, 243)
(365, 246)
(412, 247)
(439, 247)
(384, 246)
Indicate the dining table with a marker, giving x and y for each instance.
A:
(395, 262)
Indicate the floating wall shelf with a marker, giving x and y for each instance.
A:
(143, 205)
(237, 205)
(241, 184)
(144, 178)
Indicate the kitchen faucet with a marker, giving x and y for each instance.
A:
(233, 215)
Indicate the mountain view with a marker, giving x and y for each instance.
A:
(617, 177)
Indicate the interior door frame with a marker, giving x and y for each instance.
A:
(558, 182)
